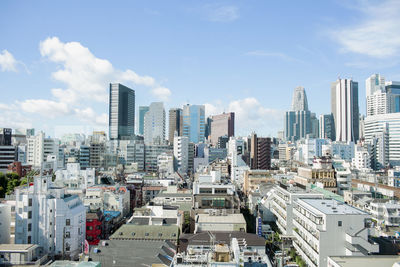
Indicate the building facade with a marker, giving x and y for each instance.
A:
(121, 112)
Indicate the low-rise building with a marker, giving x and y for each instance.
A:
(254, 178)
(283, 199)
(21, 255)
(325, 227)
(217, 220)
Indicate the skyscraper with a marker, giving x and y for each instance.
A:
(121, 112)
(393, 89)
(154, 124)
(298, 120)
(222, 125)
(193, 122)
(326, 127)
(142, 112)
(344, 105)
(175, 123)
(299, 99)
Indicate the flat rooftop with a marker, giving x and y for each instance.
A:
(229, 218)
(17, 247)
(332, 206)
(362, 261)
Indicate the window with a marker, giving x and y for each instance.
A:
(160, 234)
(339, 223)
(133, 233)
(29, 239)
(51, 210)
(30, 202)
(89, 228)
(67, 235)
(29, 227)
(68, 222)
(98, 227)
(29, 214)
(146, 234)
(173, 235)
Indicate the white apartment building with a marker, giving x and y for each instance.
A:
(181, 153)
(343, 175)
(339, 150)
(154, 124)
(75, 178)
(362, 159)
(327, 227)
(238, 169)
(386, 213)
(5, 223)
(211, 184)
(48, 217)
(111, 198)
(308, 149)
(165, 164)
(235, 147)
(282, 205)
(39, 147)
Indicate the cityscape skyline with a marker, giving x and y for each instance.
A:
(54, 86)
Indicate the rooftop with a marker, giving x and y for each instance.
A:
(332, 206)
(17, 247)
(229, 218)
(149, 232)
(121, 253)
(361, 261)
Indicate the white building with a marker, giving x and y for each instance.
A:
(157, 215)
(5, 223)
(344, 105)
(343, 175)
(327, 227)
(39, 147)
(383, 132)
(282, 205)
(238, 169)
(165, 164)
(378, 101)
(220, 222)
(235, 147)
(181, 153)
(308, 149)
(46, 216)
(154, 124)
(361, 160)
(74, 177)
(386, 213)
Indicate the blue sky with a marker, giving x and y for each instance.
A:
(57, 57)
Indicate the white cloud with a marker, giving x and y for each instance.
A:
(161, 93)
(7, 61)
(85, 78)
(46, 108)
(12, 118)
(221, 13)
(250, 115)
(89, 115)
(377, 34)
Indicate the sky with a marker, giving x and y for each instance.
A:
(57, 58)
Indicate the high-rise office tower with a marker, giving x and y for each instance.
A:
(154, 124)
(393, 89)
(260, 153)
(142, 112)
(326, 127)
(314, 126)
(193, 122)
(378, 101)
(344, 104)
(175, 123)
(299, 99)
(121, 112)
(298, 120)
(207, 128)
(222, 125)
